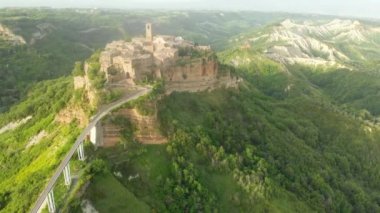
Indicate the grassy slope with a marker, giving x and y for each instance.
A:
(153, 166)
(25, 170)
(149, 162)
(108, 195)
(359, 89)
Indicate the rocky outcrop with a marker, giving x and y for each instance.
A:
(111, 134)
(181, 64)
(83, 82)
(15, 124)
(37, 138)
(72, 113)
(79, 82)
(146, 129)
(7, 35)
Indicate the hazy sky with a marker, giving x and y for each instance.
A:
(363, 8)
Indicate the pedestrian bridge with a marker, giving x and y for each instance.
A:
(64, 167)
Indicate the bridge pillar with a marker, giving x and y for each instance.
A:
(93, 134)
(67, 175)
(96, 134)
(51, 202)
(81, 152)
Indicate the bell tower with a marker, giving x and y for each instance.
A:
(148, 31)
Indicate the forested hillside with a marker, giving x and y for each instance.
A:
(290, 138)
(34, 145)
(292, 142)
(261, 147)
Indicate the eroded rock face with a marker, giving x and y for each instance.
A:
(200, 69)
(83, 82)
(36, 139)
(79, 82)
(326, 43)
(7, 35)
(72, 113)
(14, 124)
(146, 129)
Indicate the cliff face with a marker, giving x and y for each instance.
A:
(111, 134)
(71, 113)
(146, 129)
(199, 69)
(195, 75)
(83, 82)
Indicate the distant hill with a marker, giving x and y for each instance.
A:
(334, 42)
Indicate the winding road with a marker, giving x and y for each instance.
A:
(103, 111)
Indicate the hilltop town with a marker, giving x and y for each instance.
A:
(183, 65)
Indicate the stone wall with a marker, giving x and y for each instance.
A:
(71, 113)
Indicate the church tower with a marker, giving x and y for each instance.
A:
(149, 38)
(149, 33)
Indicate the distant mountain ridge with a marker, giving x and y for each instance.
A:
(333, 43)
